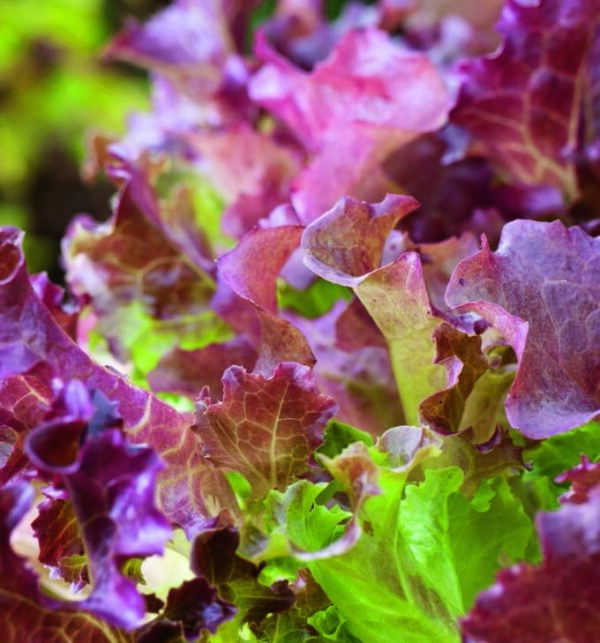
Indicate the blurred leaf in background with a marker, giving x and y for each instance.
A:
(53, 90)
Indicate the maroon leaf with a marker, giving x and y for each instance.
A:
(131, 262)
(196, 605)
(265, 429)
(250, 271)
(214, 557)
(59, 536)
(187, 372)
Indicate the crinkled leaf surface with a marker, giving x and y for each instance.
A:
(546, 276)
(418, 551)
(214, 556)
(265, 429)
(111, 485)
(347, 242)
(525, 103)
(188, 371)
(250, 271)
(139, 282)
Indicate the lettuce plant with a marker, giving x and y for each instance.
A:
(329, 371)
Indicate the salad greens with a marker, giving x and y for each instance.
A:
(329, 371)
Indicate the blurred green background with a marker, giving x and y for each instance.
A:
(53, 91)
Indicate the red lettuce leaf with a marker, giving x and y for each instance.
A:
(266, 429)
(525, 103)
(253, 180)
(347, 242)
(197, 607)
(214, 557)
(461, 195)
(24, 400)
(130, 261)
(247, 295)
(359, 378)
(540, 290)
(584, 478)
(59, 536)
(190, 43)
(252, 267)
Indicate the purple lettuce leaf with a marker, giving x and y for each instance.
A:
(556, 600)
(539, 290)
(59, 536)
(467, 22)
(131, 263)
(27, 614)
(366, 99)
(30, 336)
(65, 311)
(461, 195)
(395, 295)
(252, 267)
(299, 30)
(524, 105)
(354, 328)
(162, 632)
(111, 485)
(584, 478)
(439, 260)
(24, 400)
(188, 33)
(265, 429)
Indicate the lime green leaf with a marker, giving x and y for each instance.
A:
(318, 299)
(551, 457)
(339, 435)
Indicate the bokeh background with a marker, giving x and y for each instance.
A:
(54, 91)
